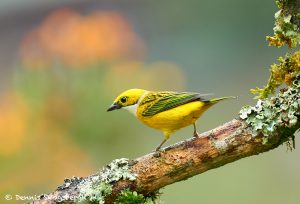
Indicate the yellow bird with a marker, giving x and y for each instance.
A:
(165, 110)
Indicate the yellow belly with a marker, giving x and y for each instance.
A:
(176, 118)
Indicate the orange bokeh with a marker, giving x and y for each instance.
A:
(13, 123)
(41, 138)
(67, 37)
(135, 74)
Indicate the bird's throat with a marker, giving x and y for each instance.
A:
(133, 108)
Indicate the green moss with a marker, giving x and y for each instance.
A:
(285, 30)
(280, 3)
(276, 112)
(283, 72)
(129, 197)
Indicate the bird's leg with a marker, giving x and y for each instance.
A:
(161, 144)
(196, 134)
(157, 150)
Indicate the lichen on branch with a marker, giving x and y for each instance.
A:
(271, 115)
(287, 24)
(96, 188)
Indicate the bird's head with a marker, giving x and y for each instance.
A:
(126, 99)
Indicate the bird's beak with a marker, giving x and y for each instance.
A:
(114, 106)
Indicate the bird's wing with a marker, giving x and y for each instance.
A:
(162, 101)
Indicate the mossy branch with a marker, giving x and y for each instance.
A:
(258, 129)
(282, 73)
(286, 31)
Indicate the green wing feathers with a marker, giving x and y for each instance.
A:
(163, 101)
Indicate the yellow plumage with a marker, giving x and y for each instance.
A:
(165, 111)
(171, 120)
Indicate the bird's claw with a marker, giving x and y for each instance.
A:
(156, 154)
(196, 134)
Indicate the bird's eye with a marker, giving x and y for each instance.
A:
(124, 99)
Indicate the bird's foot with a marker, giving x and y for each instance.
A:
(157, 154)
(196, 134)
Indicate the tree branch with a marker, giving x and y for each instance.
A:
(234, 140)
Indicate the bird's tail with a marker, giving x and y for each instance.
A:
(216, 100)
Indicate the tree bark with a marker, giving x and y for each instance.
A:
(222, 145)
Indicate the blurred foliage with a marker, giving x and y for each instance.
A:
(13, 123)
(54, 117)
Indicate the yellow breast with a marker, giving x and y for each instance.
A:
(175, 118)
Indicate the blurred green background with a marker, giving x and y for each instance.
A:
(63, 62)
